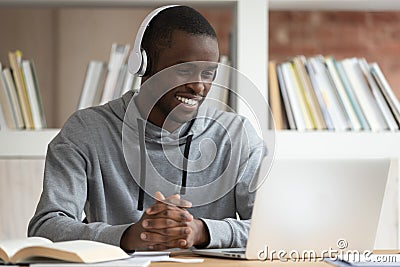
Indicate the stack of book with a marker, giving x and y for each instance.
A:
(21, 104)
(321, 93)
(107, 81)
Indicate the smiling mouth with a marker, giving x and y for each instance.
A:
(187, 101)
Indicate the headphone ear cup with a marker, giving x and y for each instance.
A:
(143, 65)
(147, 65)
(134, 62)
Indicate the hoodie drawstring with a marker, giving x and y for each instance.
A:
(142, 146)
(185, 163)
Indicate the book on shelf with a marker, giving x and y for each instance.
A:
(332, 102)
(309, 93)
(364, 95)
(293, 97)
(7, 120)
(285, 98)
(118, 56)
(34, 96)
(9, 85)
(331, 66)
(39, 249)
(318, 93)
(275, 96)
(352, 97)
(15, 59)
(122, 76)
(384, 86)
(305, 109)
(380, 100)
(347, 94)
(93, 84)
(3, 123)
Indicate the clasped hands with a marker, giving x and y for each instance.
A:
(166, 224)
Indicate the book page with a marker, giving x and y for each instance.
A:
(10, 247)
(75, 251)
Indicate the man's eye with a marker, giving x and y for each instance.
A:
(208, 74)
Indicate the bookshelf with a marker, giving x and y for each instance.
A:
(324, 144)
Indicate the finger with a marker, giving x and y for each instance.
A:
(174, 232)
(181, 203)
(159, 196)
(158, 247)
(155, 240)
(159, 207)
(177, 243)
(166, 212)
(152, 246)
(172, 200)
(176, 196)
(162, 223)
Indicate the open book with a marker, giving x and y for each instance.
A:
(32, 249)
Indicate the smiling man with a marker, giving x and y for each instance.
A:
(113, 161)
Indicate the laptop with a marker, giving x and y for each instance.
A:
(306, 207)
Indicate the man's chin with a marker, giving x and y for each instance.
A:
(181, 117)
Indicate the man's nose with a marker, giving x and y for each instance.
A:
(197, 88)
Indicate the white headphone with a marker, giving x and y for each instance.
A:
(137, 63)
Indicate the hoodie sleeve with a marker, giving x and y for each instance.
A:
(231, 232)
(59, 212)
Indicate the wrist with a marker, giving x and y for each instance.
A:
(127, 242)
(203, 236)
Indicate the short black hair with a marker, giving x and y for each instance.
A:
(159, 31)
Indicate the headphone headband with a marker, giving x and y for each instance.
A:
(137, 62)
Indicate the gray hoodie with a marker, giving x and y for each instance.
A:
(97, 161)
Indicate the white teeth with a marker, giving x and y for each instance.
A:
(187, 101)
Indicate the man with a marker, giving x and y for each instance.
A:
(98, 160)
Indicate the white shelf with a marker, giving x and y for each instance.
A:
(335, 5)
(23, 144)
(288, 144)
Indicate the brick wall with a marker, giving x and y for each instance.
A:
(221, 18)
(373, 35)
